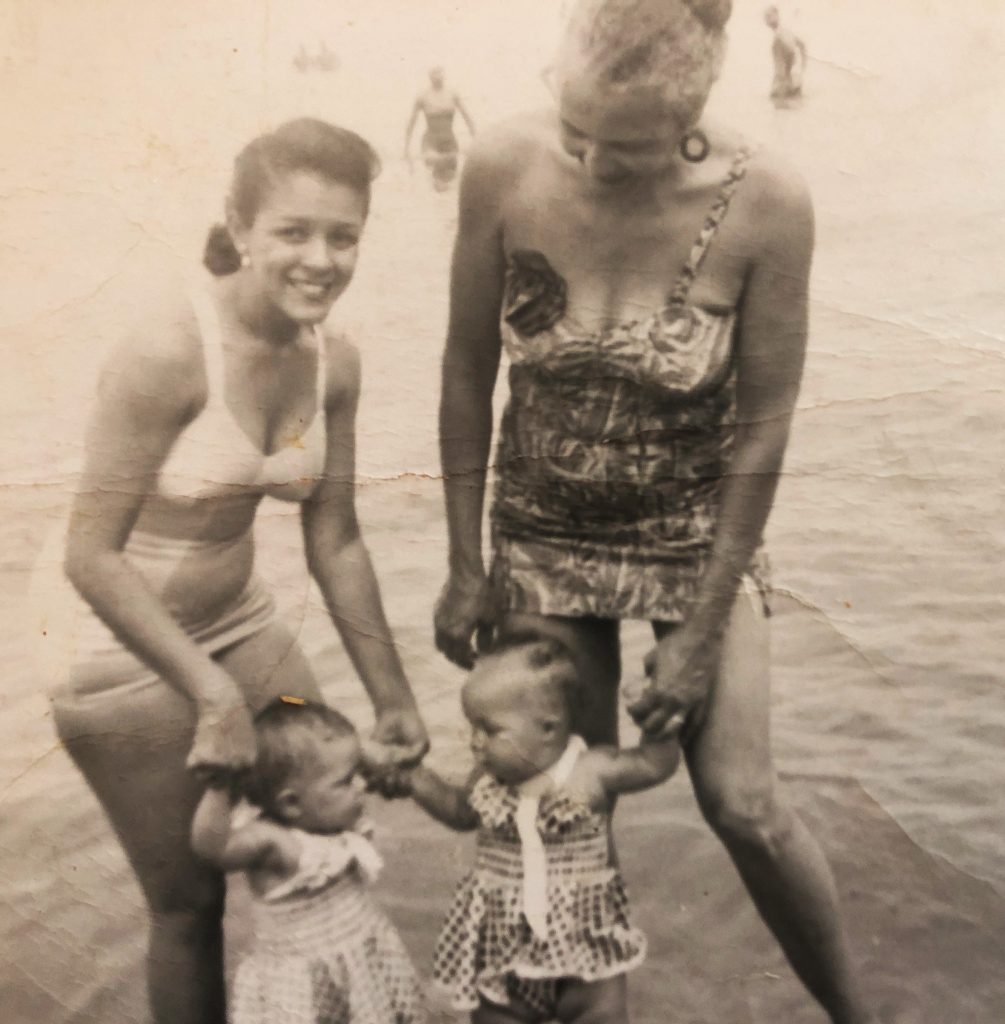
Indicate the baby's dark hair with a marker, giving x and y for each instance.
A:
(287, 733)
(305, 144)
(544, 654)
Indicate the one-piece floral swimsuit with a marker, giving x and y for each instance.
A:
(613, 446)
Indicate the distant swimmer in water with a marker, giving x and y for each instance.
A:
(438, 104)
(788, 52)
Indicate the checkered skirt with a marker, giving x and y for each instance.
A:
(487, 943)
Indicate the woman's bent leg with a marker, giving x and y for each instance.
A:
(132, 752)
(782, 866)
(131, 745)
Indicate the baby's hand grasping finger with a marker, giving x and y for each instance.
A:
(638, 697)
(381, 766)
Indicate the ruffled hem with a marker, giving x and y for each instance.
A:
(372, 983)
(486, 938)
(549, 577)
(495, 987)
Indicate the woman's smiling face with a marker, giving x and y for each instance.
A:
(302, 246)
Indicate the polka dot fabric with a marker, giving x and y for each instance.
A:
(487, 948)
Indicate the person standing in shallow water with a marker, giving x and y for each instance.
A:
(646, 273)
(438, 104)
(788, 52)
(223, 393)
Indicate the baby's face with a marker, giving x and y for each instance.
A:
(328, 790)
(516, 732)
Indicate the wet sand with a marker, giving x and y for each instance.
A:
(886, 540)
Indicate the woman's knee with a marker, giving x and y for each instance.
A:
(746, 813)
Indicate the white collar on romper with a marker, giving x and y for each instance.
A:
(535, 863)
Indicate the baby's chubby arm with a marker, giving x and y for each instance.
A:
(255, 845)
(630, 770)
(440, 799)
(606, 771)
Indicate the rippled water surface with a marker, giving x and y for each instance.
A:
(887, 538)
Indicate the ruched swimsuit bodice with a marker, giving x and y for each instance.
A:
(613, 445)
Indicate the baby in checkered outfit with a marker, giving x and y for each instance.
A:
(539, 929)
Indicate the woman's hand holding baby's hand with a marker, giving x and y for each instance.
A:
(224, 742)
(387, 768)
(681, 669)
(464, 611)
(402, 730)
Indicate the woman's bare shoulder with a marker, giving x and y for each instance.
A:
(777, 188)
(772, 208)
(156, 348)
(343, 364)
(501, 154)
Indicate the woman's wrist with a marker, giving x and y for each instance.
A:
(713, 605)
(396, 700)
(467, 571)
(705, 625)
(215, 693)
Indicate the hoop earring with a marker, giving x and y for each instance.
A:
(694, 147)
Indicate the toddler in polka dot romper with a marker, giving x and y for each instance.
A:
(539, 930)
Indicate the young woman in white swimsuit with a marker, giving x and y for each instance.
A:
(229, 390)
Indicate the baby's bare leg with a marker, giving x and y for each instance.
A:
(593, 1002)
(493, 1013)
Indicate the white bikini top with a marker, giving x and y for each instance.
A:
(213, 457)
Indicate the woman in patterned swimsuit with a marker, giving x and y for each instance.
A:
(647, 279)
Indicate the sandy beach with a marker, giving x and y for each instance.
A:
(886, 541)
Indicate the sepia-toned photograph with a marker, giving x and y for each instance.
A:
(502, 512)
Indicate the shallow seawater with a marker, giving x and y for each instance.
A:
(887, 537)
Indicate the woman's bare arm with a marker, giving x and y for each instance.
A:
(770, 355)
(771, 349)
(148, 391)
(339, 561)
(470, 367)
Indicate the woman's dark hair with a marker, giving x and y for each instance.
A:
(306, 144)
(287, 733)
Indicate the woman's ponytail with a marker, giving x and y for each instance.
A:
(220, 255)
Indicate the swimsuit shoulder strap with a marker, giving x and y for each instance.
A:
(710, 226)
